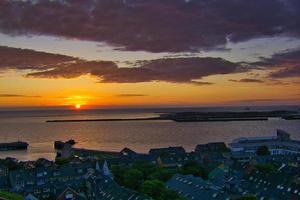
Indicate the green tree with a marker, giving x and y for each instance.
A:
(192, 167)
(145, 167)
(163, 174)
(263, 151)
(153, 188)
(62, 161)
(170, 194)
(118, 172)
(248, 197)
(133, 178)
(267, 168)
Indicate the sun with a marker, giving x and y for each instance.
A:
(77, 106)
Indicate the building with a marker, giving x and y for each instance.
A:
(281, 144)
(3, 176)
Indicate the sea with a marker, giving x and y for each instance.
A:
(31, 126)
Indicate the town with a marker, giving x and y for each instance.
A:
(248, 168)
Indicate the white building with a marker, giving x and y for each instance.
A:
(281, 144)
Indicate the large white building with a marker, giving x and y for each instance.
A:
(281, 144)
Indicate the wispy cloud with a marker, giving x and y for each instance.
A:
(131, 95)
(266, 100)
(20, 95)
(247, 80)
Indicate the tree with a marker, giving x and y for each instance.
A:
(157, 190)
(248, 197)
(163, 174)
(145, 167)
(263, 151)
(170, 194)
(266, 168)
(192, 167)
(62, 161)
(153, 188)
(118, 172)
(133, 178)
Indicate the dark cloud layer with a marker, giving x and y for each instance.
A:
(153, 25)
(174, 70)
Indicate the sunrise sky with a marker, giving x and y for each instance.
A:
(128, 53)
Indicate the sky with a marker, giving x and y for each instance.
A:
(148, 53)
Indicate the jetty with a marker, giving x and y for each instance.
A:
(204, 117)
(19, 145)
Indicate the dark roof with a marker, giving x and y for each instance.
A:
(106, 189)
(169, 150)
(190, 187)
(70, 191)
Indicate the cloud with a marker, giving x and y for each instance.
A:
(283, 65)
(155, 26)
(247, 80)
(173, 70)
(258, 100)
(287, 72)
(19, 95)
(131, 95)
(270, 100)
(24, 59)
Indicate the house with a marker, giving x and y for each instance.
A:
(49, 182)
(128, 156)
(171, 161)
(128, 152)
(211, 147)
(155, 152)
(70, 194)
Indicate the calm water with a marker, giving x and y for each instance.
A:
(30, 126)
